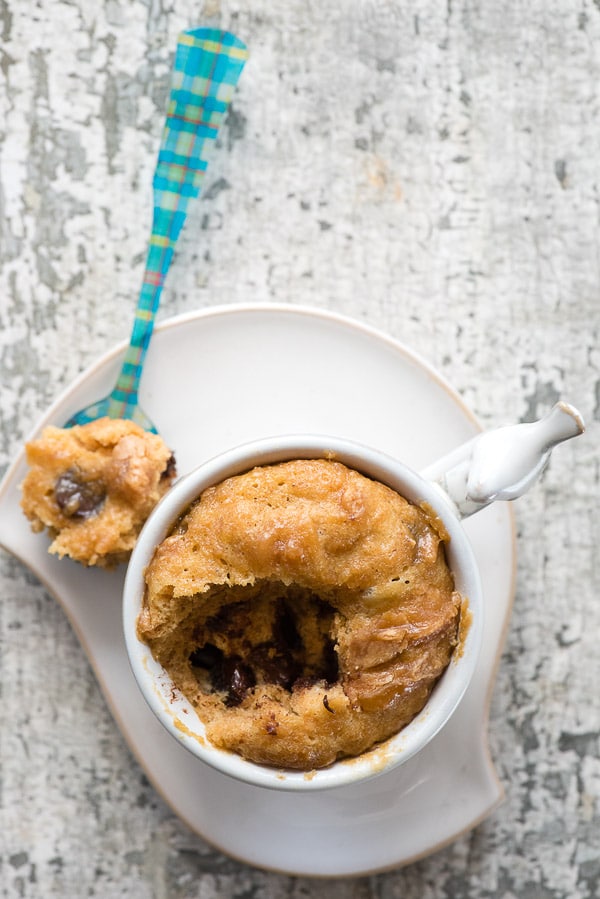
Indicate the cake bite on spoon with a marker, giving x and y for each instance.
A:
(93, 482)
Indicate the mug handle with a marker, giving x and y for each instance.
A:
(503, 463)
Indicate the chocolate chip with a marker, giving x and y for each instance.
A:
(327, 706)
(78, 498)
(233, 677)
(171, 468)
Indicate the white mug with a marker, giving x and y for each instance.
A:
(500, 464)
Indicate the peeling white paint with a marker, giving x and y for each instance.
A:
(430, 168)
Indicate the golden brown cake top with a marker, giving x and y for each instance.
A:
(315, 523)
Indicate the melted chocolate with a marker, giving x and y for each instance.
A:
(281, 661)
(77, 498)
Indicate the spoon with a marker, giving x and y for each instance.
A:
(207, 67)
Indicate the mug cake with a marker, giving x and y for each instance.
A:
(304, 610)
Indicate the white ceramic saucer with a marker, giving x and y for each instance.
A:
(238, 373)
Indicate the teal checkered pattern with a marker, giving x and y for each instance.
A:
(207, 67)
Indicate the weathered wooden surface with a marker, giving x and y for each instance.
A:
(431, 168)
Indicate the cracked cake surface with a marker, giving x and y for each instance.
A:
(305, 610)
(93, 486)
